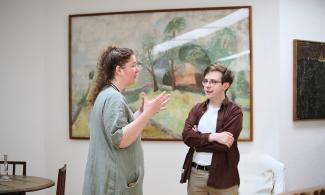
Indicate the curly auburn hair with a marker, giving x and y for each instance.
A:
(108, 60)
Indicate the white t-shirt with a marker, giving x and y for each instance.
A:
(207, 124)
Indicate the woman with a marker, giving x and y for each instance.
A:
(115, 159)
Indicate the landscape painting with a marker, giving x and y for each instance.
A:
(173, 47)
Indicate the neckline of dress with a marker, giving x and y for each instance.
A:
(114, 87)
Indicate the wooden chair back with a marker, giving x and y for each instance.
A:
(60, 187)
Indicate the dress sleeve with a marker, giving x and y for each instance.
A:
(115, 118)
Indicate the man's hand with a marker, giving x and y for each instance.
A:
(194, 128)
(225, 138)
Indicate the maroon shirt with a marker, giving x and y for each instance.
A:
(223, 172)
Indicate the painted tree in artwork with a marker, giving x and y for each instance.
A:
(82, 102)
(146, 59)
(176, 25)
(223, 45)
(197, 56)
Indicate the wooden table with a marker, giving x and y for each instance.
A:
(20, 184)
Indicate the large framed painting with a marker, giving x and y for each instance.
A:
(173, 47)
(308, 80)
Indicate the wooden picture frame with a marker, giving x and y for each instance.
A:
(308, 80)
(174, 46)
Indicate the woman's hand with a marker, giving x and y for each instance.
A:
(157, 104)
(149, 108)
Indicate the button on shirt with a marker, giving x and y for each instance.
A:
(207, 124)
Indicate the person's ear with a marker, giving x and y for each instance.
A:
(226, 85)
(118, 69)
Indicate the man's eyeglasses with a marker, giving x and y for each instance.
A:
(210, 81)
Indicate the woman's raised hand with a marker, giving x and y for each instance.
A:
(155, 105)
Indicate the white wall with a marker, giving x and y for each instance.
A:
(302, 143)
(22, 83)
(34, 91)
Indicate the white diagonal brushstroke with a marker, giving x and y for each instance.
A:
(202, 32)
(237, 55)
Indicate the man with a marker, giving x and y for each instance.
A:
(211, 131)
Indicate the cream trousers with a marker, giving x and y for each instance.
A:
(197, 185)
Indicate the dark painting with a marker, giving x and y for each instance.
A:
(309, 80)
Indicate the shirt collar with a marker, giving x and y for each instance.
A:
(223, 103)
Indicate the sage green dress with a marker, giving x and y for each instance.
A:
(111, 170)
